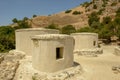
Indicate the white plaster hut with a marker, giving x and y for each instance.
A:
(23, 40)
(52, 52)
(86, 42)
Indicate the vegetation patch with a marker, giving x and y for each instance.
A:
(68, 11)
(76, 13)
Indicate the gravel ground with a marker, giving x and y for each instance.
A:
(100, 68)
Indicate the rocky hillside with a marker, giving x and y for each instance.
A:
(78, 16)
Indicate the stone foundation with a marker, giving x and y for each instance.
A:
(89, 52)
(27, 72)
(117, 51)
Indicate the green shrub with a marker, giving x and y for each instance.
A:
(118, 13)
(105, 33)
(93, 18)
(52, 26)
(34, 15)
(7, 34)
(86, 4)
(106, 20)
(76, 12)
(95, 6)
(114, 4)
(68, 29)
(7, 38)
(68, 11)
(85, 29)
(100, 11)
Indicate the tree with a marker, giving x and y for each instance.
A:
(52, 26)
(68, 11)
(105, 33)
(76, 12)
(95, 6)
(117, 26)
(93, 18)
(68, 29)
(85, 29)
(34, 15)
(107, 20)
(23, 24)
(7, 38)
(15, 20)
(118, 13)
(96, 25)
(25, 18)
(86, 4)
(100, 11)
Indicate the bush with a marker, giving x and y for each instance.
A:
(105, 33)
(96, 25)
(68, 11)
(76, 12)
(7, 38)
(100, 11)
(15, 20)
(114, 4)
(118, 13)
(7, 34)
(52, 26)
(103, 5)
(107, 20)
(86, 4)
(34, 15)
(85, 29)
(94, 6)
(93, 18)
(68, 29)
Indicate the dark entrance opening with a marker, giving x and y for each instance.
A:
(94, 43)
(59, 53)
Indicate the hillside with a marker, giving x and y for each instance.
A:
(104, 7)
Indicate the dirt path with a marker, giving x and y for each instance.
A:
(100, 68)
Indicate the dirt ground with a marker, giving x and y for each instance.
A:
(100, 68)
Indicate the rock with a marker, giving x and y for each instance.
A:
(1, 57)
(9, 65)
(116, 69)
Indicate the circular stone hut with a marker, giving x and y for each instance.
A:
(23, 40)
(86, 43)
(52, 52)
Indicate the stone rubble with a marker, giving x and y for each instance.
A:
(116, 69)
(63, 75)
(27, 72)
(89, 52)
(1, 57)
(117, 51)
(9, 65)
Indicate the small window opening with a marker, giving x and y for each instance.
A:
(59, 53)
(94, 43)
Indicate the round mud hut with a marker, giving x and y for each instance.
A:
(86, 43)
(23, 40)
(52, 52)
